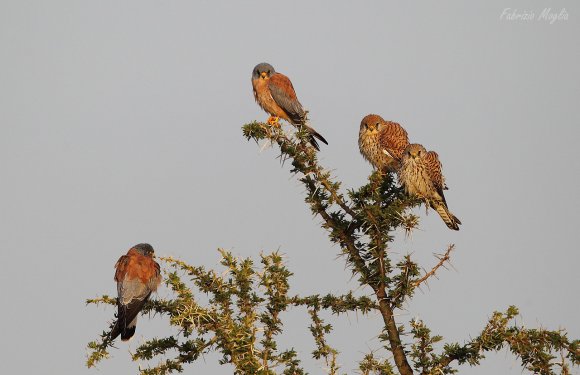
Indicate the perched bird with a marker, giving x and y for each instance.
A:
(382, 142)
(137, 276)
(275, 94)
(421, 175)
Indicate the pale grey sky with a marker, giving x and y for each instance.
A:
(120, 123)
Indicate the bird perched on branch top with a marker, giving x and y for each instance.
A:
(421, 175)
(382, 142)
(275, 94)
(137, 276)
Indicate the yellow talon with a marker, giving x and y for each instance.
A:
(274, 121)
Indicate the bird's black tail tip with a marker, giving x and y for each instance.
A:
(455, 222)
(128, 333)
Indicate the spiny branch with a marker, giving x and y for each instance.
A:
(342, 231)
(532, 346)
(241, 316)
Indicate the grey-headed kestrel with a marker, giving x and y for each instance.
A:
(382, 142)
(420, 174)
(275, 94)
(137, 276)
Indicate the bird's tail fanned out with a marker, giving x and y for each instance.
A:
(448, 218)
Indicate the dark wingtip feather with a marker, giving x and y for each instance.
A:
(313, 142)
(313, 136)
(115, 332)
(317, 135)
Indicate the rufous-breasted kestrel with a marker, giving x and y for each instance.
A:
(274, 92)
(137, 276)
(382, 142)
(421, 175)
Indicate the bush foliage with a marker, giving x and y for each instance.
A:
(241, 318)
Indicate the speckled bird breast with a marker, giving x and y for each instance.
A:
(370, 149)
(414, 177)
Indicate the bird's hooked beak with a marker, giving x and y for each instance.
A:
(264, 74)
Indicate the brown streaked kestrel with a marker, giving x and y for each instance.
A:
(421, 175)
(382, 142)
(137, 276)
(275, 94)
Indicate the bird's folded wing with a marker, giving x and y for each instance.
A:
(434, 170)
(284, 95)
(393, 138)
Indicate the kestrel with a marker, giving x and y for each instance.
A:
(275, 94)
(382, 142)
(137, 276)
(421, 175)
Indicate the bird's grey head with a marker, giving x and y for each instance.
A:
(263, 70)
(414, 150)
(144, 249)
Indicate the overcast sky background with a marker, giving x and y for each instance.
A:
(120, 123)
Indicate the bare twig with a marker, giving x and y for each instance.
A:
(442, 259)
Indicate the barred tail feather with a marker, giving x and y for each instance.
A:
(448, 218)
